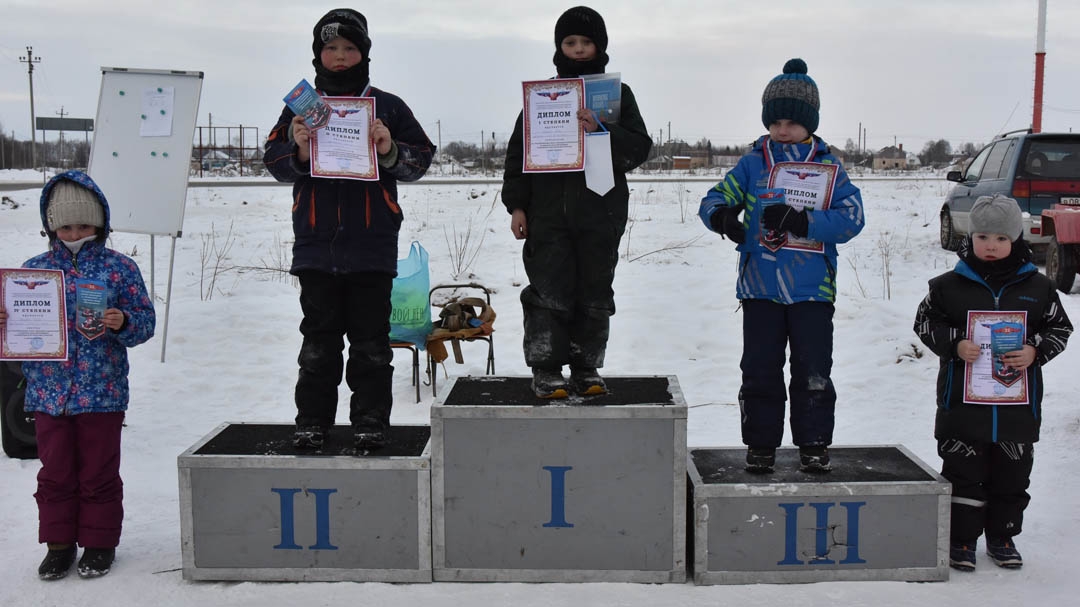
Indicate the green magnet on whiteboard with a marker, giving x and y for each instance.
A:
(159, 89)
(162, 112)
(121, 92)
(153, 153)
(165, 154)
(115, 154)
(143, 116)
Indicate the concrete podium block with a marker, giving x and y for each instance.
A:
(585, 489)
(255, 508)
(881, 514)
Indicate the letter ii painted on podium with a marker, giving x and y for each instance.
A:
(322, 519)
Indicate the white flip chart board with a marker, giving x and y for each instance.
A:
(142, 146)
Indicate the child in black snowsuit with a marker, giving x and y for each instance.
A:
(345, 252)
(571, 233)
(986, 449)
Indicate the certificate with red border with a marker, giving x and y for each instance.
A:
(806, 185)
(344, 148)
(554, 141)
(36, 327)
(987, 381)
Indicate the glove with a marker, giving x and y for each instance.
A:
(784, 218)
(726, 222)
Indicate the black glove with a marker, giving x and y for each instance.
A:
(726, 222)
(783, 218)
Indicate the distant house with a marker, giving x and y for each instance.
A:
(891, 158)
(681, 163)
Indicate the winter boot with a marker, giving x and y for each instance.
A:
(369, 440)
(962, 555)
(57, 562)
(760, 460)
(96, 562)
(549, 383)
(586, 381)
(309, 436)
(1003, 552)
(814, 459)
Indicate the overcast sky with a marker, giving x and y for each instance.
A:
(907, 70)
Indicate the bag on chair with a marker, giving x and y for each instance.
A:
(410, 314)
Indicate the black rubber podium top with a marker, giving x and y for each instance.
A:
(849, 465)
(276, 439)
(517, 392)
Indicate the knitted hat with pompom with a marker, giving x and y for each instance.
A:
(793, 96)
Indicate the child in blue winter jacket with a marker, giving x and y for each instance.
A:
(787, 269)
(79, 403)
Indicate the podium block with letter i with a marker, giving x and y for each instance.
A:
(585, 489)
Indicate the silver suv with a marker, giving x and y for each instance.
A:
(1036, 169)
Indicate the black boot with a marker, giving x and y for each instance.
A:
(309, 437)
(96, 562)
(586, 381)
(57, 562)
(760, 460)
(814, 459)
(549, 383)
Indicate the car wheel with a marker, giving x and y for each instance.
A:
(950, 241)
(1060, 265)
(19, 423)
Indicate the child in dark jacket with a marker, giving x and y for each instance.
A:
(79, 403)
(986, 448)
(787, 270)
(572, 233)
(345, 252)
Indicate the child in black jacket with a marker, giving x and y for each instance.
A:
(345, 252)
(986, 448)
(572, 233)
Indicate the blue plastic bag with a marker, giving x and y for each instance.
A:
(410, 313)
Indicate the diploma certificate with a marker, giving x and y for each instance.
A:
(343, 148)
(806, 185)
(988, 381)
(36, 327)
(554, 141)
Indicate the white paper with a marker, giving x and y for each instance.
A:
(554, 140)
(599, 176)
(344, 148)
(36, 327)
(980, 385)
(157, 112)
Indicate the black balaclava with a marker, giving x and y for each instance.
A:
(996, 273)
(351, 25)
(583, 21)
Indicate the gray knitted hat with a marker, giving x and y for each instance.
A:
(793, 96)
(997, 214)
(70, 204)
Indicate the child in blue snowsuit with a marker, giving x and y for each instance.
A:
(786, 293)
(79, 403)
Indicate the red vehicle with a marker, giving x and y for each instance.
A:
(1062, 224)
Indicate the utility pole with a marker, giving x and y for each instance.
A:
(1040, 66)
(438, 127)
(61, 113)
(30, 60)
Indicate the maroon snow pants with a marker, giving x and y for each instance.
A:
(79, 492)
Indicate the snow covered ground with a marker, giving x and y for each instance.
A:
(231, 356)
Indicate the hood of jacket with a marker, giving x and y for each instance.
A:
(79, 178)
